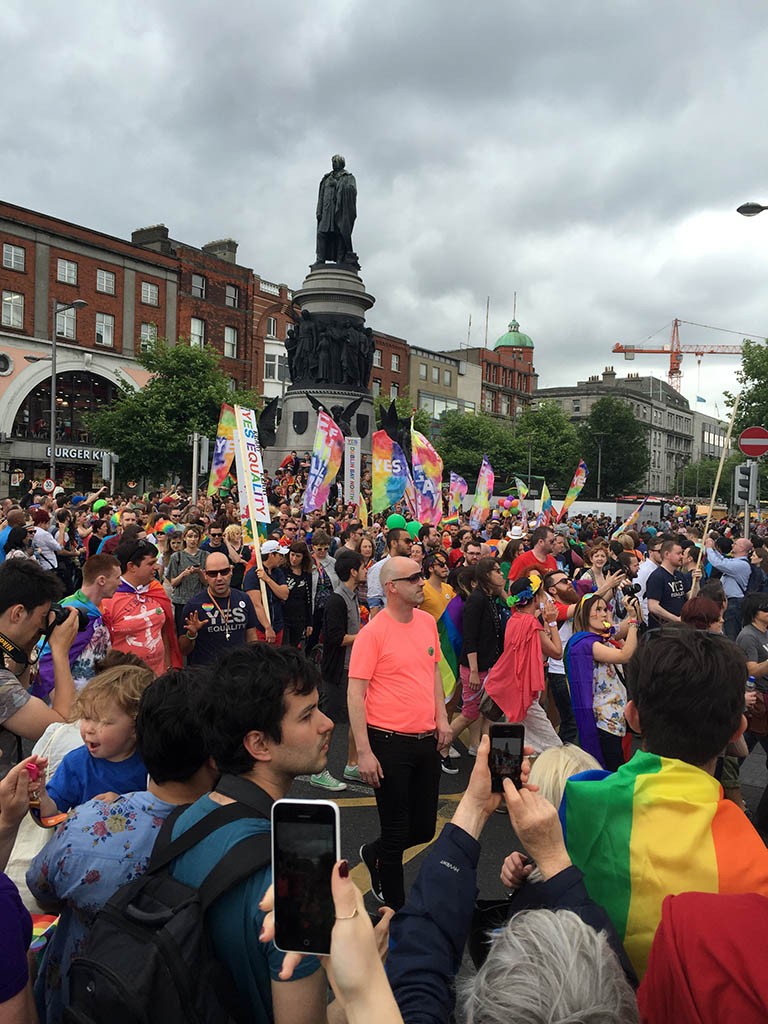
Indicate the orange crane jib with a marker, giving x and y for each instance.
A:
(676, 352)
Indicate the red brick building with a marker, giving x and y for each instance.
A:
(391, 366)
(508, 375)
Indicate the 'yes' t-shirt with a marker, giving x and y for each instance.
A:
(234, 615)
(668, 589)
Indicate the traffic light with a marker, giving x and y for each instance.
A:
(746, 483)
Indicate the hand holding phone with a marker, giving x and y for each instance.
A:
(506, 755)
(305, 846)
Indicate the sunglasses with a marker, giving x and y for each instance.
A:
(215, 534)
(414, 578)
(218, 572)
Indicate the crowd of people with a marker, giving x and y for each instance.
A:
(165, 676)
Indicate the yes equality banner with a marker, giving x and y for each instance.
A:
(251, 479)
(224, 450)
(326, 461)
(352, 469)
(483, 491)
(390, 472)
(579, 479)
(427, 479)
(456, 493)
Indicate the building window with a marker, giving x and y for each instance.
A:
(198, 286)
(377, 357)
(66, 324)
(232, 296)
(505, 405)
(447, 378)
(230, 342)
(105, 330)
(66, 272)
(105, 282)
(576, 404)
(150, 294)
(275, 367)
(13, 257)
(13, 310)
(148, 336)
(422, 371)
(376, 387)
(435, 374)
(271, 327)
(196, 332)
(395, 365)
(394, 390)
(488, 401)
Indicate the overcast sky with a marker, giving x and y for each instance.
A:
(587, 155)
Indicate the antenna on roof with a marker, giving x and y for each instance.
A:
(469, 329)
(514, 305)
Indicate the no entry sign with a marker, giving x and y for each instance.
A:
(754, 441)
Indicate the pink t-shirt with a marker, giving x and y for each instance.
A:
(398, 659)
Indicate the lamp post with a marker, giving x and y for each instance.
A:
(56, 309)
(599, 439)
(530, 454)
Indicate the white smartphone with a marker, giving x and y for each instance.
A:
(305, 846)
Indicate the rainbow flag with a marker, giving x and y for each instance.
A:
(326, 460)
(450, 521)
(390, 472)
(547, 509)
(427, 479)
(631, 521)
(522, 490)
(457, 492)
(363, 512)
(223, 450)
(654, 828)
(579, 479)
(483, 491)
(449, 633)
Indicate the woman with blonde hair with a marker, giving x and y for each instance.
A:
(239, 554)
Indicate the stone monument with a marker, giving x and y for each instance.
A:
(329, 348)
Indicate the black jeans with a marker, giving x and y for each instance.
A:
(407, 804)
(732, 618)
(558, 689)
(612, 748)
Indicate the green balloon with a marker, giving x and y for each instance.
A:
(395, 522)
(413, 529)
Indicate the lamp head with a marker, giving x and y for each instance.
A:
(750, 209)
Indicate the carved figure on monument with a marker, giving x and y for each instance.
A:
(291, 352)
(306, 353)
(323, 356)
(340, 414)
(336, 214)
(370, 349)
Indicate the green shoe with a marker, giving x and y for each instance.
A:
(352, 772)
(324, 780)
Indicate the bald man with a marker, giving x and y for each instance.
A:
(397, 714)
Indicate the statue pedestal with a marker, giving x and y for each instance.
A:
(332, 299)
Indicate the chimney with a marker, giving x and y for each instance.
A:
(609, 375)
(225, 249)
(154, 237)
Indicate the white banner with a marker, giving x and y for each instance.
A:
(353, 461)
(250, 468)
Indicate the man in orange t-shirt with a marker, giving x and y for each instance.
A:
(397, 714)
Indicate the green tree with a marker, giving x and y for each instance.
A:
(553, 443)
(148, 428)
(465, 438)
(753, 381)
(624, 459)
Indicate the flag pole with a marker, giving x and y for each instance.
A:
(726, 446)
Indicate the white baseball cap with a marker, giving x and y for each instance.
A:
(271, 547)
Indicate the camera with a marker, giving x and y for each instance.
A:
(630, 589)
(60, 614)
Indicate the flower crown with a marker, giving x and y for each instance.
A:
(525, 595)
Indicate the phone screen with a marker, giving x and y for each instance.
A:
(506, 755)
(305, 848)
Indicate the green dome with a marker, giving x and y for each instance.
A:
(514, 338)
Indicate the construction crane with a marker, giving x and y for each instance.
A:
(676, 352)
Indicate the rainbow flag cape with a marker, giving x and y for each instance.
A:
(427, 479)
(655, 828)
(579, 479)
(449, 632)
(630, 521)
(326, 460)
(223, 450)
(390, 472)
(483, 491)
(456, 493)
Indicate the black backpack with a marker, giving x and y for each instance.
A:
(148, 958)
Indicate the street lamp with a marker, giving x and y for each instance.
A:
(750, 209)
(76, 304)
(599, 439)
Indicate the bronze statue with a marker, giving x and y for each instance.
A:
(336, 214)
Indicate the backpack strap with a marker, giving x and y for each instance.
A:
(244, 859)
(173, 848)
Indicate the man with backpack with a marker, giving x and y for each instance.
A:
(104, 844)
(738, 579)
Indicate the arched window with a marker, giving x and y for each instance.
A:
(77, 394)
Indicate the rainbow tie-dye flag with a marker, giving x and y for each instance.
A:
(579, 479)
(390, 472)
(223, 451)
(654, 828)
(427, 479)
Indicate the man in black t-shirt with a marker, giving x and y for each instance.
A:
(666, 586)
(219, 618)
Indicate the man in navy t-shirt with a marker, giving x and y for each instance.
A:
(219, 618)
(666, 586)
(272, 556)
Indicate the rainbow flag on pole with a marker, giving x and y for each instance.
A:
(547, 509)
(522, 490)
(483, 491)
(326, 461)
(628, 523)
(579, 479)
(390, 472)
(223, 451)
(654, 828)
(427, 479)
(457, 492)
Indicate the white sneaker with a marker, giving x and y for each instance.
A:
(453, 752)
(324, 780)
(472, 751)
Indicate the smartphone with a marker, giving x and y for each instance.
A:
(305, 846)
(506, 757)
